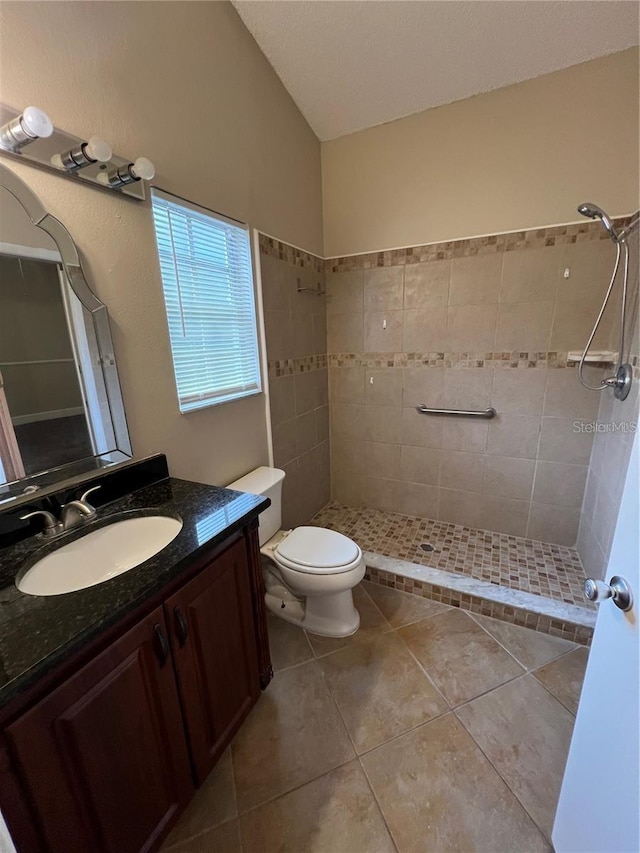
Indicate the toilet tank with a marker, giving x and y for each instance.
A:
(268, 483)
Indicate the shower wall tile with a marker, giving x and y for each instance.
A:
(572, 325)
(506, 477)
(560, 484)
(426, 285)
(519, 392)
(305, 432)
(471, 327)
(514, 435)
(566, 397)
(471, 324)
(345, 332)
(296, 333)
(346, 384)
(506, 515)
(383, 331)
(524, 325)
(467, 389)
(425, 329)
(553, 523)
(618, 422)
(383, 289)
(382, 423)
(285, 443)
(531, 276)
(420, 386)
(460, 507)
(475, 280)
(345, 293)
(282, 398)
(420, 465)
(464, 434)
(420, 430)
(383, 387)
(462, 471)
(561, 440)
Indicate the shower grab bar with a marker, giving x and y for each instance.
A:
(466, 413)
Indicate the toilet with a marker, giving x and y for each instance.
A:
(309, 572)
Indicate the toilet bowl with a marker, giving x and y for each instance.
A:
(309, 572)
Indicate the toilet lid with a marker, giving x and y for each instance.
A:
(316, 548)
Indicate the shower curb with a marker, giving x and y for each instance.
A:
(508, 605)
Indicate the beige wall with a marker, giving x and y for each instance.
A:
(184, 84)
(520, 157)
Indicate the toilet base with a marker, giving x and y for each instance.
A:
(327, 615)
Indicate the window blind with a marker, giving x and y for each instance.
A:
(207, 279)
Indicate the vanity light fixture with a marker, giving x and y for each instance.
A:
(142, 169)
(30, 125)
(96, 150)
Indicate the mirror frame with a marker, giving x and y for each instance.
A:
(77, 281)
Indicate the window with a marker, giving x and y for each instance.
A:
(207, 278)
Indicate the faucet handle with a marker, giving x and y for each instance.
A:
(84, 497)
(51, 523)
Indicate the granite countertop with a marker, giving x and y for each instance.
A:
(38, 632)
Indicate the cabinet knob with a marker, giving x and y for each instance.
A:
(162, 644)
(182, 628)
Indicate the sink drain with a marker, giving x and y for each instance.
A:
(426, 546)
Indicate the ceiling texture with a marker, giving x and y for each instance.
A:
(353, 64)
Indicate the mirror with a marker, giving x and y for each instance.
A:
(61, 410)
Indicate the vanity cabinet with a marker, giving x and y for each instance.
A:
(108, 759)
(104, 756)
(215, 656)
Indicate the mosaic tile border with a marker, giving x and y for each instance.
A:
(289, 254)
(474, 604)
(536, 238)
(291, 366)
(513, 359)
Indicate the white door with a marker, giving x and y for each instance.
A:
(599, 806)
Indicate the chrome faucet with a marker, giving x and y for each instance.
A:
(77, 512)
(52, 527)
(72, 515)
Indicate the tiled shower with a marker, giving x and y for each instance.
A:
(493, 321)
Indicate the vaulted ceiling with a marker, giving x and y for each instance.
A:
(352, 64)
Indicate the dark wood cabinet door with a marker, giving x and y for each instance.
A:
(212, 634)
(104, 756)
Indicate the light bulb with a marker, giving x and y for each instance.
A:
(143, 168)
(98, 150)
(36, 123)
(24, 129)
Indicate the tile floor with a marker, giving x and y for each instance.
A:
(430, 730)
(554, 571)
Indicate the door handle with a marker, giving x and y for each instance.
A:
(182, 627)
(162, 645)
(617, 589)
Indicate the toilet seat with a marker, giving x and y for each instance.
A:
(316, 550)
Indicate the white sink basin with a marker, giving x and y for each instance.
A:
(100, 555)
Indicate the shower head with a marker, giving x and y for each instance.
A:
(592, 210)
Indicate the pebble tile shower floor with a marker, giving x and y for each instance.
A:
(431, 730)
(553, 571)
